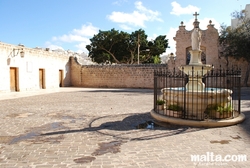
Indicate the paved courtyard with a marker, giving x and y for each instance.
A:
(98, 128)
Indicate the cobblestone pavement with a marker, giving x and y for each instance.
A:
(81, 127)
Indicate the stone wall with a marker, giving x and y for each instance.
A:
(73, 73)
(125, 76)
(209, 45)
(28, 68)
(113, 76)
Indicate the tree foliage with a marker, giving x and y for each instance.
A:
(235, 42)
(121, 47)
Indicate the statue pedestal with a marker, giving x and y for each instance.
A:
(195, 57)
(195, 73)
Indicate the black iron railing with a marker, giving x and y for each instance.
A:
(220, 99)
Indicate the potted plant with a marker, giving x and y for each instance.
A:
(174, 110)
(160, 104)
(224, 112)
(219, 112)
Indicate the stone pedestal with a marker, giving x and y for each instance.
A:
(195, 71)
(195, 74)
(195, 57)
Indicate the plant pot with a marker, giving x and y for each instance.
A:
(160, 107)
(172, 113)
(219, 115)
(223, 115)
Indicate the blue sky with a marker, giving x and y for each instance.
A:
(69, 24)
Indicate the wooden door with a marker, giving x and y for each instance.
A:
(41, 79)
(60, 78)
(13, 79)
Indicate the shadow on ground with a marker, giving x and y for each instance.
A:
(130, 127)
(246, 123)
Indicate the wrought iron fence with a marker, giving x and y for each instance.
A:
(220, 99)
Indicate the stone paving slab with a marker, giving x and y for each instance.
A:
(98, 128)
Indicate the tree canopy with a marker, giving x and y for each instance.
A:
(235, 41)
(121, 47)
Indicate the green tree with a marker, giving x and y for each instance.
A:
(121, 47)
(235, 42)
(104, 46)
(137, 39)
(156, 48)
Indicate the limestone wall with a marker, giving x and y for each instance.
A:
(27, 68)
(74, 74)
(113, 76)
(126, 76)
(209, 45)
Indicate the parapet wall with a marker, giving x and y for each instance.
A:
(125, 76)
(113, 76)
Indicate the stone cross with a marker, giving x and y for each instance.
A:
(195, 14)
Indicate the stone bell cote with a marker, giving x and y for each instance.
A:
(209, 44)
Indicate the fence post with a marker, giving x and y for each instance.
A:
(155, 89)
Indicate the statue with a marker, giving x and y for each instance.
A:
(196, 39)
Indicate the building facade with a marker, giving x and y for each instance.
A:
(235, 22)
(23, 69)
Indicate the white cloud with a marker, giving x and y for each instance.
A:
(152, 37)
(119, 2)
(79, 36)
(125, 27)
(178, 10)
(203, 23)
(171, 43)
(53, 46)
(137, 18)
(69, 38)
(81, 47)
(86, 30)
(151, 15)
